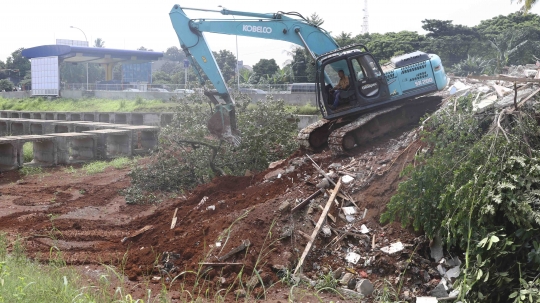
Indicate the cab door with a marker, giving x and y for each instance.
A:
(370, 81)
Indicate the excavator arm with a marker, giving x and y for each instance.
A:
(276, 26)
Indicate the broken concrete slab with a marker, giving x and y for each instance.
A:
(349, 210)
(393, 248)
(484, 104)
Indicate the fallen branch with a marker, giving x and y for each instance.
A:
(318, 226)
(500, 127)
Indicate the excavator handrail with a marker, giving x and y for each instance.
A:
(341, 49)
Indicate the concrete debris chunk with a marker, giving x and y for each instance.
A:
(393, 248)
(365, 287)
(484, 104)
(276, 164)
(211, 207)
(350, 219)
(364, 229)
(436, 248)
(483, 89)
(352, 257)
(452, 273)
(323, 184)
(346, 278)
(453, 261)
(501, 90)
(349, 210)
(284, 206)
(439, 291)
(274, 174)
(426, 300)
(458, 87)
(347, 179)
(326, 231)
(441, 270)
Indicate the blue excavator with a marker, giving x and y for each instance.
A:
(376, 101)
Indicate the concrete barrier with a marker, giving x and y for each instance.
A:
(75, 147)
(113, 143)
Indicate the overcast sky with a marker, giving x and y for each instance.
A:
(131, 24)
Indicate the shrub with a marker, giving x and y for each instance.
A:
(189, 155)
(479, 187)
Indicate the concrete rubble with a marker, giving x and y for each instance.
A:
(350, 237)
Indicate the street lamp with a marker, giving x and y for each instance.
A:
(237, 70)
(86, 62)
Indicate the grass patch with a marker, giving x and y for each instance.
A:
(307, 109)
(100, 166)
(28, 152)
(31, 170)
(24, 280)
(99, 105)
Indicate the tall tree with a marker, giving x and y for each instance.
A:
(265, 68)
(451, 42)
(99, 43)
(315, 19)
(174, 54)
(17, 61)
(344, 39)
(226, 61)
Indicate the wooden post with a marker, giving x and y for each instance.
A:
(318, 226)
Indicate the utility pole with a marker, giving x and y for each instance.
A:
(365, 23)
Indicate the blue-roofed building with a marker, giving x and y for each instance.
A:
(45, 62)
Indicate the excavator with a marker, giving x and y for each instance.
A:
(378, 99)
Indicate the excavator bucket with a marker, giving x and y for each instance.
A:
(222, 124)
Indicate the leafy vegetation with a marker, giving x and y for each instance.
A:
(478, 186)
(188, 155)
(100, 105)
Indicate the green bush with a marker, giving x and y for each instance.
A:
(189, 155)
(478, 186)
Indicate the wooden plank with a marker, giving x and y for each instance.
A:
(329, 215)
(303, 234)
(318, 226)
(174, 218)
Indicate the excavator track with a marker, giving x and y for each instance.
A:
(342, 136)
(375, 124)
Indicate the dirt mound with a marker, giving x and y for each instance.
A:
(88, 220)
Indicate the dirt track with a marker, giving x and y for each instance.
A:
(86, 218)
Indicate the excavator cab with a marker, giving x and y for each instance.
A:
(367, 84)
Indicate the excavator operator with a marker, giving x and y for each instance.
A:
(343, 84)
